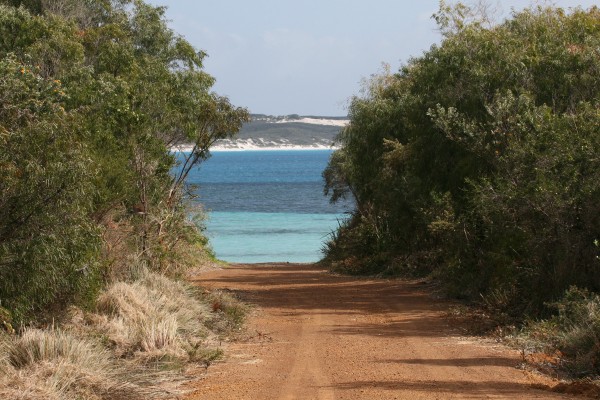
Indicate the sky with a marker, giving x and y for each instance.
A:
(308, 57)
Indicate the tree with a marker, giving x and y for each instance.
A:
(95, 96)
(48, 244)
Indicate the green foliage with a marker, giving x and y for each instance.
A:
(335, 183)
(478, 161)
(34, 6)
(93, 96)
(48, 244)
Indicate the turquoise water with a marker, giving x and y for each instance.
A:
(262, 237)
(267, 206)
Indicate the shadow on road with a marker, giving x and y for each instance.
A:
(299, 288)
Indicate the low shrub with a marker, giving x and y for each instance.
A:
(574, 333)
(228, 313)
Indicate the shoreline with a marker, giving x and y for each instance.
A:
(217, 149)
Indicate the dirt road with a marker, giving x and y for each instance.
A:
(319, 336)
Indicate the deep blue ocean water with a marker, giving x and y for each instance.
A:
(266, 206)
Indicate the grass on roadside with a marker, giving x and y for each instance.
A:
(152, 318)
(228, 312)
(54, 364)
(572, 335)
(134, 345)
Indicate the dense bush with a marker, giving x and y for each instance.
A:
(477, 161)
(48, 243)
(93, 95)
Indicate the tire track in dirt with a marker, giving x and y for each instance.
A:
(325, 337)
(307, 370)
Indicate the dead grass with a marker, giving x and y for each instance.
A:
(52, 364)
(135, 345)
(153, 317)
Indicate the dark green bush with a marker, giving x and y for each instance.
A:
(48, 244)
(478, 161)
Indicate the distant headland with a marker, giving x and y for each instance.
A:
(293, 132)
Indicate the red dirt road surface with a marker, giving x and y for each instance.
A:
(314, 335)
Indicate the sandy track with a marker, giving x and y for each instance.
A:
(319, 336)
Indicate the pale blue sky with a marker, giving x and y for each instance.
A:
(307, 57)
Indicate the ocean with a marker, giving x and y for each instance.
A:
(267, 205)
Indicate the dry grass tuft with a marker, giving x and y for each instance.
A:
(52, 364)
(38, 345)
(143, 332)
(152, 314)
